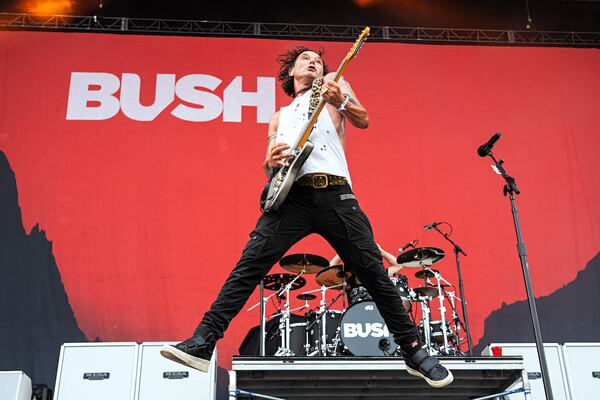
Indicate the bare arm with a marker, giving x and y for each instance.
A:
(273, 158)
(394, 266)
(335, 94)
(390, 258)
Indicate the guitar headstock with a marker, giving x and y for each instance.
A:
(358, 44)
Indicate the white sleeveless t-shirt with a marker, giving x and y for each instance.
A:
(328, 154)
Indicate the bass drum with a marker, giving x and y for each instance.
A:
(364, 333)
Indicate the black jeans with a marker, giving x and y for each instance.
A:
(334, 214)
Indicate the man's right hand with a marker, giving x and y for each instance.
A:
(276, 158)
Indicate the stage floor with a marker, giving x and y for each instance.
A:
(365, 378)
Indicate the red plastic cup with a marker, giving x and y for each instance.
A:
(497, 351)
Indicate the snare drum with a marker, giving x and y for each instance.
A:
(358, 293)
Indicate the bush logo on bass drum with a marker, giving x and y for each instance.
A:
(373, 329)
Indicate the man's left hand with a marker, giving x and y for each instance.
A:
(332, 93)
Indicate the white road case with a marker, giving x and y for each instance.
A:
(15, 385)
(162, 379)
(582, 362)
(554, 359)
(96, 371)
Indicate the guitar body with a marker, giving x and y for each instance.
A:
(281, 182)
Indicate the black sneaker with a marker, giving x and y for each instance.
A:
(429, 368)
(194, 352)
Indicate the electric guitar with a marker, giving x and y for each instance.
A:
(281, 181)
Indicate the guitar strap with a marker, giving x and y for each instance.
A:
(315, 96)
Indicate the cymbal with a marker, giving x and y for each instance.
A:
(443, 285)
(426, 273)
(426, 291)
(332, 276)
(309, 263)
(277, 281)
(306, 296)
(421, 256)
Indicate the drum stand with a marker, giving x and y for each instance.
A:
(458, 324)
(322, 315)
(457, 251)
(284, 322)
(426, 313)
(321, 321)
(263, 318)
(323, 326)
(439, 279)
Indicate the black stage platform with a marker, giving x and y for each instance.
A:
(380, 378)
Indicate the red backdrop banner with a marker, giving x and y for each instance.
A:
(140, 157)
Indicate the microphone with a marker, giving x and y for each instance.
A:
(431, 226)
(407, 245)
(485, 148)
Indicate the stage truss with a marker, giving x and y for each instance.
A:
(93, 23)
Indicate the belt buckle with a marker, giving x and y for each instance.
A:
(320, 181)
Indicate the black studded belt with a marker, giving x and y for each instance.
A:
(321, 181)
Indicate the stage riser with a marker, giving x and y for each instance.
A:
(372, 378)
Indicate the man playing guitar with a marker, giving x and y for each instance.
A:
(320, 201)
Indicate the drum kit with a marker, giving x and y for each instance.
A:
(355, 327)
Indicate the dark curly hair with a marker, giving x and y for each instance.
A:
(286, 62)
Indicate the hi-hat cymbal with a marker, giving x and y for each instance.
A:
(426, 273)
(443, 285)
(426, 291)
(421, 256)
(277, 281)
(306, 296)
(333, 276)
(309, 263)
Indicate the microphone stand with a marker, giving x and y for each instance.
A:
(510, 188)
(458, 324)
(457, 251)
(262, 334)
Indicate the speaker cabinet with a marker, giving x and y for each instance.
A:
(15, 385)
(96, 371)
(162, 379)
(583, 369)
